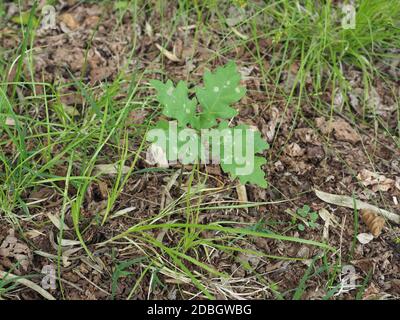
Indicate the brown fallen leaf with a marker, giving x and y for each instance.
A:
(91, 21)
(307, 135)
(69, 20)
(377, 181)
(344, 132)
(102, 189)
(99, 68)
(350, 202)
(178, 48)
(27, 283)
(269, 129)
(372, 292)
(294, 150)
(321, 124)
(100, 73)
(374, 222)
(74, 58)
(71, 98)
(11, 247)
(242, 193)
(56, 220)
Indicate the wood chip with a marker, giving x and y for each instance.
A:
(242, 193)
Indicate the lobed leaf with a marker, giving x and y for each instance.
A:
(220, 90)
(231, 164)
(175, 101)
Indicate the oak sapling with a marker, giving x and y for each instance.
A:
(200, 123)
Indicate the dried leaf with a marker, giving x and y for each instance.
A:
(294, 150)
(68, 243)
(27, 283)
(103, 189)
(377, 181)
(374, 222)
(307, 135)
(341, 129)
(365, 238)
(66, 255)
(57, 221)
(122, 212)
(11, 247)
(31, 234)
(344, 132)
(149, 29)
(168, 54)
(329, 220)
(326, 215)
(349, 202)
(91, 21)
(156, 155)
(269, 129)
(242, 193)
(69, 20)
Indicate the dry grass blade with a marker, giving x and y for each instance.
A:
(168, 54)
(28, 284)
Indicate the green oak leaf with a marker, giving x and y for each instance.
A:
(176, 102)
(230, 163)
(174, 147)
(257, 176)
(220, 90)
